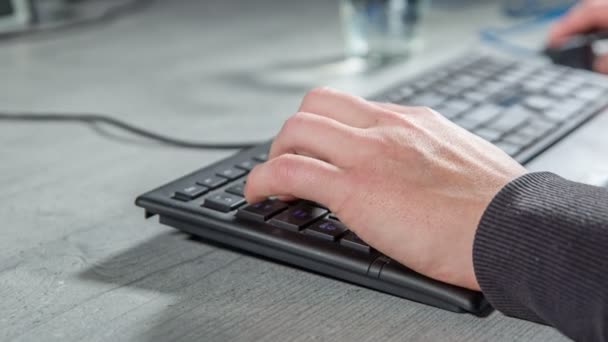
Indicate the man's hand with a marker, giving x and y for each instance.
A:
(405, 179)
(587, 16)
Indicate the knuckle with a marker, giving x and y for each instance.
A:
(355, 136)
(320, 91)
(392, 143)
(430, 112)
(387, 116)
(298, 118)
(420, 111)
(378, 142)
(395, 119)
(315, 94)
(425, 110)
(293, 123)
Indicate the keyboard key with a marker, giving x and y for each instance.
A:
(449, 90)
(549, 75)
(465, 81)
(262, 211)
(541, 81)
(489, 134)
(425, 81)
(406, 92)
(537, 127)
(223, 202)
(535, 86)
(461, 104)
(261, 157)
(590, 93)
(573, 80)
(560, 91)
(454, 108)
(566, 109)
(525, 69)
(428, 99)
(509, 148)
(351, 240)
(519, 139)
(469, 125)
(558, 114)
(247, 165)
(483, 113)
(394, 98)
(481, 73)
(238, 190)
(511, 119)
(315, 204)
(539, 102)
(190, 193)
(400, 95)
(327, 230)
(298, 217)
(232, 173)
(448, 113)
(492, 88)
(333, 217)
(509, 97)
(212, 182)
(511, 77)
(475, 96)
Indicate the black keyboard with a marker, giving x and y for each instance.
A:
(523, 107)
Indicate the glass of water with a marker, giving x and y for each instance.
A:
(380, 29)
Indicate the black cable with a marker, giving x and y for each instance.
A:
(108, 15)
(108, 120)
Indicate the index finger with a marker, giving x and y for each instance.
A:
(587, 16)
(297, 176)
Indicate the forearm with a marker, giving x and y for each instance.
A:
(541, 254)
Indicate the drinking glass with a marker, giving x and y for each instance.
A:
(382, 29)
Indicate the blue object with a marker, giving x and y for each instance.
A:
(530, 8)
(538, 12)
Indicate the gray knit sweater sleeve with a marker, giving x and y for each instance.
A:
(541, 254)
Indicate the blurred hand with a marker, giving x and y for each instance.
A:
(405, 179)
(587, 16)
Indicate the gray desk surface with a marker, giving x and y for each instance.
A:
(77, 259)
